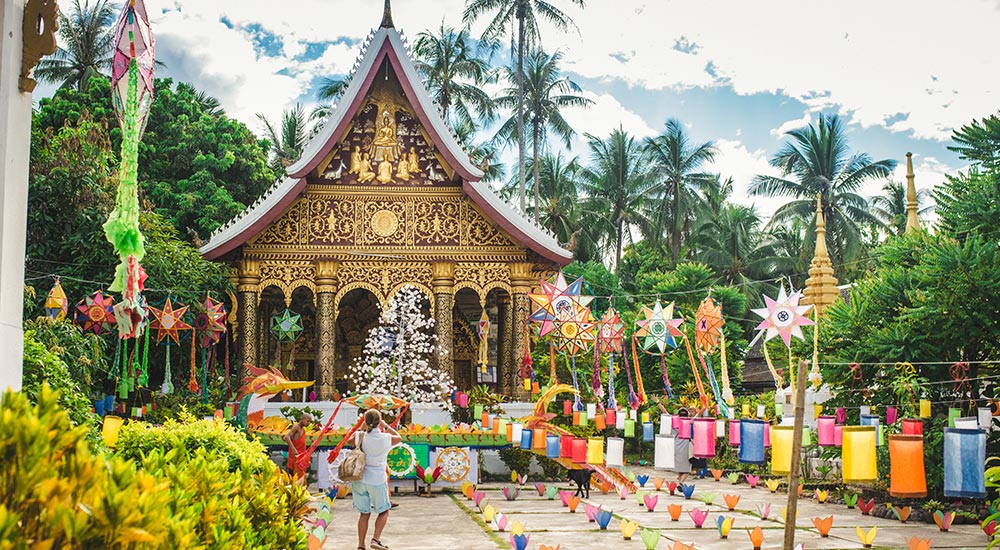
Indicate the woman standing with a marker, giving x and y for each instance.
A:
(375, 438)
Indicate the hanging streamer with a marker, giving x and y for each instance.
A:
(640, 388)
(553, 379)
(204, 377)
(612, 403)
(192, 380)
(143, 378)
(577, 404)
(707, 364)
(727, 390)
(666, 378)
(168, 386)
(595, 379)
(778, 381)
(633, 399)
(697, 377)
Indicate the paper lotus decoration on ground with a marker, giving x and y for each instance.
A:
(286, 326)
(641, 479)
(573, 502)
(551, 492)
(687, 489)
(675, 511)
(756, 537)
(716, 474)
(919, 544)
(851, 499)
(95, 313)
(650, 502)
(866, 538)
(628, 528)
(477, 498)
(866, 507)
(708, 325)
(731, 501)
(733, 477)
(603, 518)
(725, 524)
(428, 475)
(944, 519)
(489, 512)
(764, 510)
(169, 322)
(520, 542)
(753, 480)
(821, 495)
(784, 316)
(698, 516)
(210, 323)
(511, 492)
(902, 514)
(773, 484)
(650, 538)
(823, 525)
(656, 328)
(709, 497)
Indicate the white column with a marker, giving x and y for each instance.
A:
(15, 141)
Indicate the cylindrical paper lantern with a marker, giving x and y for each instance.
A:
(567, 407)
(751, 440)
(760, 411)
(913, 426)
(629, 428)
(720, 428)
(734, 433)
(99, 407)
(907, 478)
(967, 423)
(485, 416)
(685, 431)
(526, 437)
(817, 411)
(647, 431)
(838, 435)
(516, 429)
(576, 418)
(663, 453)
(703, 436)
(620, 420)
(841, 415)
(675, 422)
(595, 450)
(891, 414)
(873, 420)
(579, 450)
(616, 452)
(538, 440)
(463, 400)
(665, 424)
(866, 410)
(591, 410)
(566, 446)
(644, 417)
(583, 419)
(745, 409)
(502, 426)
(510, 432)
(633, 414)
(985, 418)
(824, 430)
(781, 449)
(925, 408)
(552, 449)
(779, 411)
(109, 431)
(767, 435)
(477, 411)
(859, 464)
(599, 422)
(806, 436)
(953, 413)
(610, 417)
(964, 463)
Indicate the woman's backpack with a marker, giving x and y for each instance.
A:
(353, 466)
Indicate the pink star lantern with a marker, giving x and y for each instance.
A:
(575, 334)
(558, 302)
(784, 316)
(169, 322)
(610, 332)
(657, 328)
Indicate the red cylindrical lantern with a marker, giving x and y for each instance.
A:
(841, 415)
(824, 430)
(567, 407)
(891, 414)
(913, 426)
(609, 417)
(734, 433)
(579, 450)
(566, 446)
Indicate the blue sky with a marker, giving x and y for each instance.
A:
(902, 74)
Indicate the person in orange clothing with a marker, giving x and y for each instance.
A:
(296, 440)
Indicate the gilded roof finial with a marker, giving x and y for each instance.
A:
(912, 221)
(821, 286)
(387, 16)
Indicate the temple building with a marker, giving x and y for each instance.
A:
(383, 197)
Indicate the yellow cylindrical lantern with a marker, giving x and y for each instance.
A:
(925, 408)
(109, 432)
(781, 449)
(595, 450)
(746, 409)
(906, 466)
(859, 464)
(538, 439)
(645, 417)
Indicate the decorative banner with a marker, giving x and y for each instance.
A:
(454, 463)
(401, 460)
(483, 331)
(95, 313)
(210, 323)
(784, 317)
(56, 303)
(286, 326)
(610, 336)
(169, 322)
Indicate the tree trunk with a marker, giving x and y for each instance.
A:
(520, 104)
(675, 230)
(534, 163)
(618, 247)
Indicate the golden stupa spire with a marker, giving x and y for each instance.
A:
(912, 222)
(387, 16)
(821, 286)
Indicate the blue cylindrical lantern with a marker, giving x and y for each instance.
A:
(109, 404)
(752, 441)
(964, 463)
(552, 446)
(647, 431)
(526, 439)
(99, 407)
(873, 420)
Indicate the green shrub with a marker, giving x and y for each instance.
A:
(516, 459)
(42, 365)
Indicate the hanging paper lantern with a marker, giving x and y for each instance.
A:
(595, 450)
(859, 465)
(873, 420)
(752, 441)
(552, 446)
(210, 323)
(629, 428)
(967, 423)
(656, 328)
(720, 428)
(647, 431)
(781, 449)
(838, 435)
(538, 440)
(286, 325)
(663, 453)
(734, 433)
(95, 314)
(964, 463)
(516, 429)
(985, 418)
(784, 316)
(565, 446)
(684, 432)
(824, 430)
(579, 450)
(558, 302)
(767, 436)
(525, 439)
(665, 423)
(891, 415)
(703, 437)
(913, 426)
(907, 478)
(616, 452)
(56, 303)
(599, 423)
(610, 417)
(169, 321)
(925, 408)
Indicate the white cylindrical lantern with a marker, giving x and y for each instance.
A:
(632, 414)
(865, 411)
(665, 424)
(616, 452)
(967, 423)
(760, 411)
(515, 433)
(591, 410)
(720, 428)
(620, 420)
(985, 418)
(663, 458)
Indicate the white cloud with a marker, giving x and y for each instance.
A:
(734, 160)
(790, 125)
(605, 115)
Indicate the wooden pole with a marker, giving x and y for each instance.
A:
(791, 512)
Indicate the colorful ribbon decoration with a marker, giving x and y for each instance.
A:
(697, 377)
(727, 390)
(779, 382)
(633, 399)
(641, 395)
(612, 402)
(577, 404)
(666, 378)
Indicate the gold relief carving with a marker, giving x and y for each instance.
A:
(480, 231)
(248, 327)
(482, 277)
(384, 223)
(330, 221)
(39, 38)
(287, 229)
(443, 304)
(383, 279)
(288, 276)
(380, 229)
(437, 222)
(326, 333)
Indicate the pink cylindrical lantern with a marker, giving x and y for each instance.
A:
(734, 433)
(675, 422)
(566, 446)
(767, 435)
(703, 437)
(891, 415)
(579, 450)
(913, 426)
(567, 407)
(685, 429)
(841, 415)
(824, 430)
(609, 417)
(463, 400)
(838, 435)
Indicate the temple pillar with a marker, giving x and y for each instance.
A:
(507, 366)
(521, 280)
(326, 327)
(443, 286)
(248, 297)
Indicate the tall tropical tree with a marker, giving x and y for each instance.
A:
(329, 92)
(483, 153)
(526, 14)
(890, 206)
(619, 188)
(455, 74)
(288, 138)
(85, 32)
(678, 164)
(816, 160)
(546, 94)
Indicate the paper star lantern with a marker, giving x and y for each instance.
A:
(95, 313)
(708, 325)
(286, 326)
(210, 323)
(169, 322)
(575, 334)
(558, 301)
(784, 316)
(56, 303)
(657, 329)
(610, 332)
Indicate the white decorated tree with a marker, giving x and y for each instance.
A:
(396, 359)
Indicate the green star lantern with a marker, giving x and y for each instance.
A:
(287, 326)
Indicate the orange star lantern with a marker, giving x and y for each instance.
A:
(169, 322)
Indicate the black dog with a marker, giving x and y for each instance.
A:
(582, 480)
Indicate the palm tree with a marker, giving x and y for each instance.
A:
(86, 34)
(820, 162)
(619, 188)
(483, 153)
(890, 206)
(289, 138)
(527, 14)
(546, 93)
(454, 74)
(678, 165)
(330, 90)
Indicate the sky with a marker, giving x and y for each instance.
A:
(902, 74)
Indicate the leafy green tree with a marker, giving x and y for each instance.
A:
(678, 165)
(481, 152)
(455, 74)
(288, 138)
(820, 162)
(967, 202)
(546, 94)
(86, 35)
(527, 14)
(330, 90)
(890, 206)
(979, 142)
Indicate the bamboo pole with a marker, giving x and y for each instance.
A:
(791, 512)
